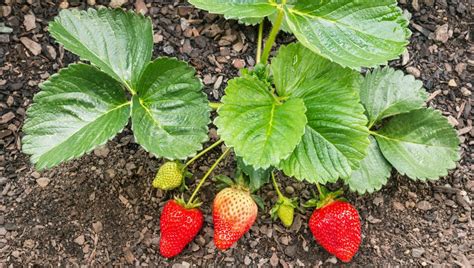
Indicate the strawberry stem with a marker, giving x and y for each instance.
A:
(202, 153)
(271, 38)
(321, 193)
(190, 202)
(277, 189)
(260, 41)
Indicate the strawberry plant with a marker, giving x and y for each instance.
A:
(308, 112)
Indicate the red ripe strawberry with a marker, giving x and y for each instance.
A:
(336, 227)
(179, 225)
(234, 212)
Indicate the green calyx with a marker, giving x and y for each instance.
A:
(325, 198)
(187, 205)
(170, 176)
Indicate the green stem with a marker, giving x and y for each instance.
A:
(260, 41)
(133, 92)
(207, 175)
(203, 152)
(319, 189)
(275, 185)
(271, 38)
(215, 105)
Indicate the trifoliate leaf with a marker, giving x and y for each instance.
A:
(262, 129)
(170, 113)
(78, 109)
(421, 144)
(336, 137)
(352, 33)
(373, 172)
(248, 11)
(386, 92)
(119, 43)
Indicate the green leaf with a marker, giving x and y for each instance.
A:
(336, 137)
(352, 33)
(119, 43)
(421, 144)
(170, 113)
(78, 109)
(257, 177)
(373, 172)
(262, 130)
(248, 11)
(386, 92)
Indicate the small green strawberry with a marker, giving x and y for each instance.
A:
(284, 209)
(169, 176)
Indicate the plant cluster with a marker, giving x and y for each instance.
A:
(308, 112)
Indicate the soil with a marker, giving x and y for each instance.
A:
(101, 210)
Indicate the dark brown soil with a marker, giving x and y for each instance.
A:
(100, 209)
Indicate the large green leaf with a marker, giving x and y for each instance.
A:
(120, 43)
(77, 110)
(170, 113)
(421, 144)
(336, 137)
(352, 33)
(373, 172)
(248, 11)
(262, 130)
(386, 92)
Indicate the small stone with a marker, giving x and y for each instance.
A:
(111, 173)
(424, 205)
(417, 252)
(7, 117)
(465, 92)
(29, 21)
(36, 175)
(117, 3)
(91, 2)
(64, 5)
(452, 83)
(29, 244)
(31, 45)
(51, 52)
(16, 254)
(3, 231)
(247, 260)
(218, 82)
(80, 240)
(398, 206)
(97, 227)
(102, 151)
(405, 58)
(415, 5)
(289, 189)
(460, 68)
(168, 50)
(5, 10)
(238, 63)
(130, 166)
(157, 38)
(274, 260)
(414, 71)
(43, 182)
(442, 33)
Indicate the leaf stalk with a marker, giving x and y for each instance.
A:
(202, 153)
(190, 201)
